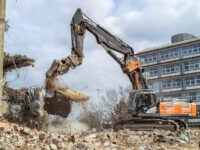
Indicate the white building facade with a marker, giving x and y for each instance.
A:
(173, 70)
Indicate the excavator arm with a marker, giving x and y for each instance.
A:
(112, 44)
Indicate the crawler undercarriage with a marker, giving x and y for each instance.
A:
(151, 123)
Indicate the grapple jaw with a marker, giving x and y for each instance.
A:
(60, 103)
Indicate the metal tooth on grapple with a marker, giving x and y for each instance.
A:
(60, 104)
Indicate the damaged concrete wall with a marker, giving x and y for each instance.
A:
(10, 63)
(20, 113)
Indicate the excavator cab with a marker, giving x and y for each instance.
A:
(142, 101)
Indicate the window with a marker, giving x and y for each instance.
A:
(192, 65)
(195, 50)
(149, 58)
(173, 83)
(154, 85)
(198, 97)
(186, 67)
(174, 53)
(152, 72)
(191, 50)
(185, 52)
(192, 96)
(150, 86)
(169, 69)
(176, 95)
(198, 80)
(192, 81)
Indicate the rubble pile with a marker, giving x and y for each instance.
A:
(18, 111)
(14, 95)
(13, 136)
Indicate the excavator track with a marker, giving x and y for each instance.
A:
(150, 124)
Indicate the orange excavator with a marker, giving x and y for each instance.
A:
(146, 112)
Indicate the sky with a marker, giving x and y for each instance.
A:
(41, 29)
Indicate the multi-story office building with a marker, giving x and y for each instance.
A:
(173, 70)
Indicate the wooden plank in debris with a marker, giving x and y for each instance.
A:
(72, 95)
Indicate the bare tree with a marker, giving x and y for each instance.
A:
(113, 106)
(121, 110)
(92, 115)
(115, 102)
(91, 118)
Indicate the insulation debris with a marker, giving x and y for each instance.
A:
(16, 61)
(72, 95)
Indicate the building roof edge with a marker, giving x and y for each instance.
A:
(152, 49)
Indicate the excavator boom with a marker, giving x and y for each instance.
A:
(129, 63)
(112, 44)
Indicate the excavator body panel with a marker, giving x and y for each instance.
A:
(177, 108)
(142, 101)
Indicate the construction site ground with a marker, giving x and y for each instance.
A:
(15, 137)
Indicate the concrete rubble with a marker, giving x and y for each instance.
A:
(13, 136)
(19, 113)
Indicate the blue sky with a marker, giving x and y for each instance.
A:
(41, 29)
